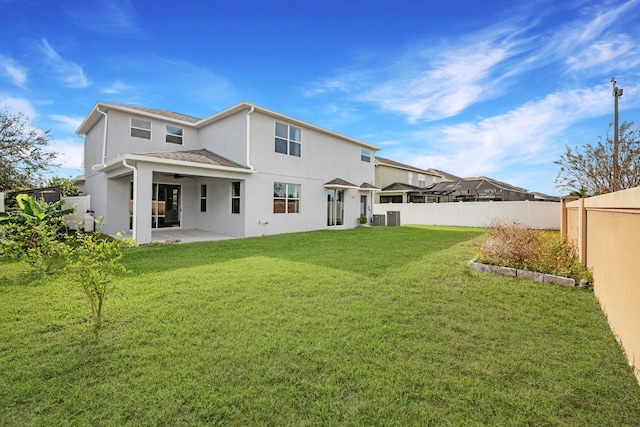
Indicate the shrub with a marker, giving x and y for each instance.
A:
(512, 245)
(34, 233)
(91, 263)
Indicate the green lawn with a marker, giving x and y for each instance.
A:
(371, 326)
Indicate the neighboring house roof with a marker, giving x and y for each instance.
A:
(95, 115)
(473, 184)
(399, 186)
(444, 175)
(545, 197)
(196, 156)
(388, 162)
(503, 185)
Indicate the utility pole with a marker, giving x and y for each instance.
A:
(617, 93)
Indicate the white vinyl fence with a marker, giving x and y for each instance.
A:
(81, 204)
(536, 215)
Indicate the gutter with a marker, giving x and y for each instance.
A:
(104, 141)
(251, 110)
(134, 227)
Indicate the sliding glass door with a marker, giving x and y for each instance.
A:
(335, 207)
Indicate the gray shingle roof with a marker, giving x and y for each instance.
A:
(393, 163)
(196, 156)
(367, 186)
(164, 113)
(399, 186)
(340, 182)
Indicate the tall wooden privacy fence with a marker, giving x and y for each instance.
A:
(607, 231)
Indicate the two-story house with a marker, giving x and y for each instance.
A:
(245, 171)
(401, 183)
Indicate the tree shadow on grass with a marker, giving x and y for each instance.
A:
(365, 250)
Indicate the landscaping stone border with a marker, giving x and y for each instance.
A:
(523, 274)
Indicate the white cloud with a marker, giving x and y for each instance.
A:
(600, 53)
(116, 88)
(525, 135)
(442, 79)
(102, 16)
(70, 152)
(70, 124)
(16, 72)
(69, 72)
(454, 80)
(18, 105)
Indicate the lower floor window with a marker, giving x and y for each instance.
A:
(335, 207)
(235, 197)
(286, 198)
(203, 198)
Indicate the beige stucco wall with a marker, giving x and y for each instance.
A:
(611, 245)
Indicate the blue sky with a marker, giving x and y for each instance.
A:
(493, 88)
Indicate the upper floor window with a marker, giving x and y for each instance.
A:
(365, 155)
(286, 198)
(140, 128)
(288, 139)
(410, 178)
(174, 135)
(421, 180)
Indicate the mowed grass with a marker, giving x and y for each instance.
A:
(371, 326)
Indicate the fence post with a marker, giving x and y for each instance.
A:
(582, 232)
(1, 201)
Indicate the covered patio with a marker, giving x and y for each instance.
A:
(183, 236)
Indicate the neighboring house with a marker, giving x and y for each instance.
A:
(401, 183)
(245, 171)
(477, 190)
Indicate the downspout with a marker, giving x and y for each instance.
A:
(134, 227)
(104, 139)
(251, 110)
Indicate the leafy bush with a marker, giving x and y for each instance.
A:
(512, 245)
(37, 234)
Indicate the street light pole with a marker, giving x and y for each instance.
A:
(617, 93)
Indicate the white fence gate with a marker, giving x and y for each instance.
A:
(536, 215)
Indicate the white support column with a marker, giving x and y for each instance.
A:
(142, 204)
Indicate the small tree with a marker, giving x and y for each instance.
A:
(591, 170)
(23, 153)
(67, 187)
(91, 264)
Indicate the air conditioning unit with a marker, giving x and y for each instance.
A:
(393, 218)
(378, 220)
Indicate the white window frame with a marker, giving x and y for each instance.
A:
(422, 180)
(139, 128)
(174, 133)
(365, 155)
(292, 132)
(287, 197)
(410, 178)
